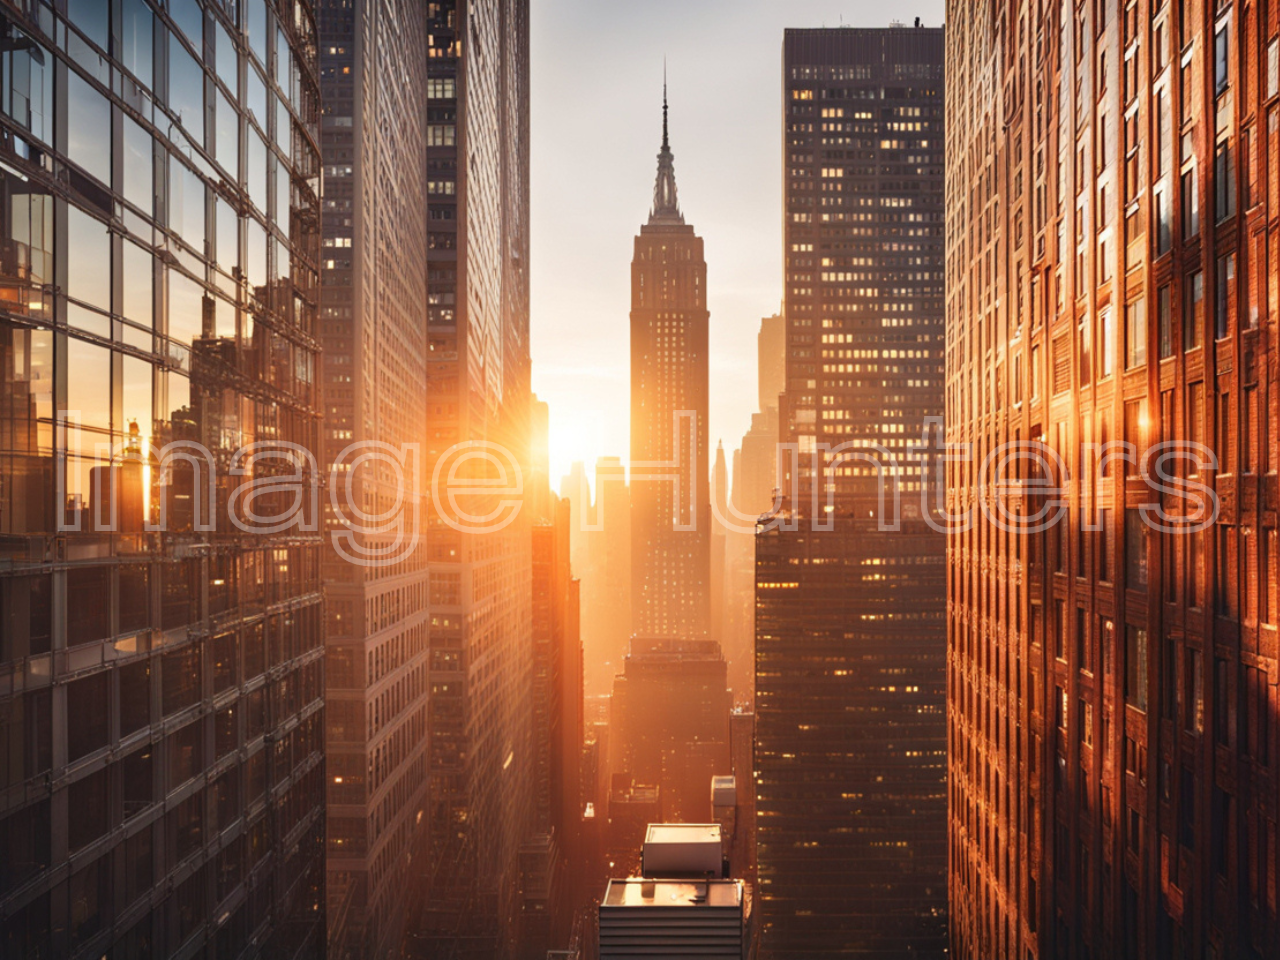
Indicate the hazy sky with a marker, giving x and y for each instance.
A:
(597, 127)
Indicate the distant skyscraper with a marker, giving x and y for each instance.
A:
(670, 711)
(478, 392)
(720, 497)
(161, 692)
(850, 635)
(670, 722)
(754, 494)
(552, 868)
(1113, 278)
(373, 313)
(671, 507)
(606, 576)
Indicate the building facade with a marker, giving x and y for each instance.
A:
(1112, 175)
(478, 394)
(161, 648)
(670, 494)
(850, 595)
(552, 857)
(374, 333)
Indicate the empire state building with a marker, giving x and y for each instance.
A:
(671, 509)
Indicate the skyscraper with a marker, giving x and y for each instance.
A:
(670, 708)
(553, 872)
(670, 496)
(374, 333)
(478, 403)
(1113, 280)
(161, 690)
(850, 635)
(759, 473)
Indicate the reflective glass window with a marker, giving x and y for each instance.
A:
(227, 60)
(87, 713)
(89, 383)
(88, 604)
(138, 279)
(90, 18)
(26, 454)
(135, 686)
(228, 143)
(189, 17)
(88, 801)
(256, 17)
(88, 127)
(136, 27)
(26, 245)
(257, 99)
(186, 204)
(26, 86)
(186, 89)
(139, 161)
(228, 226)
(186, 308)
(88, 259)
(137, 781)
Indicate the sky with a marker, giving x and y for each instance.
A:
(597, 126)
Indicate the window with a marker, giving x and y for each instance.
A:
(1190, 203)
(1135, 324)
(139, 162)
(180, 673)
(136, 29)
(440, 135)
(90, 897)
(186, 89)
(137, 781)
(88, 711)
(88, 259)
(1165, 309)
(1135, 667)
(1187, 809)
(135, 697)
(1106, 537)
(1135, 550)
(1221, 58)
(1221, 700)
(1193, 692)
(88, 128)
(1224, 180)
(1193, 312)
(1169, 699)
(1224, 295)
(185, 750)
(1106, 344)
(190, 20)
(88, 604)
(441, 88)
(89, 801)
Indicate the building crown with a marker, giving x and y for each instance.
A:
(666, 205)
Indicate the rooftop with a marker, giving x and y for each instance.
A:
(683, 833)
(636, 892)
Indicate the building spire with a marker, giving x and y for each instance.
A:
(666, 144)
(666, 205)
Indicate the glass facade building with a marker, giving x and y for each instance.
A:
(850, 597)
(161, 675)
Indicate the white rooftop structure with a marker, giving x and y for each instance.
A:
(680, 850)
(724, 791)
